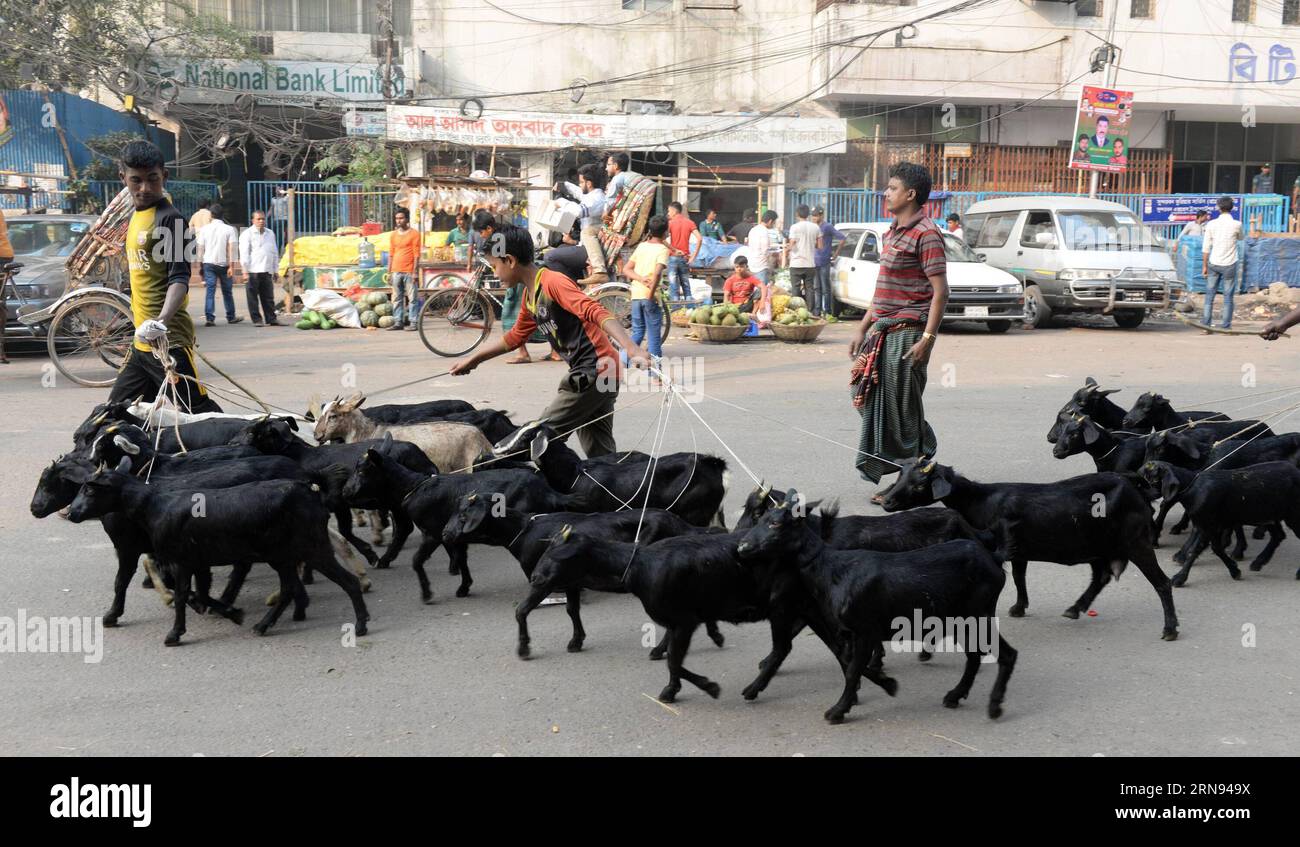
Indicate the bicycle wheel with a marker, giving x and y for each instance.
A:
(666, 315)
(88, 339)
(618, 302)
(454, 321)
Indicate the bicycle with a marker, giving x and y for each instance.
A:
(88, 331)
(454, 320)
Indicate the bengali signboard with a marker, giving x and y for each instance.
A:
(674, 133)
(1101, 130)
(365, 123)
(1182, 208)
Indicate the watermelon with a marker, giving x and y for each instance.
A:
(369, 318)
(305, 325)
(374, 298)
(716, 319)
(796, 303)
(729, 320)
(746, 317)
(384, 309)
(386, 321)
(701, 315)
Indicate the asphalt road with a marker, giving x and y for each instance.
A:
(444, 679)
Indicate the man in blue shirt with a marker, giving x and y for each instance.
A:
(828, 247)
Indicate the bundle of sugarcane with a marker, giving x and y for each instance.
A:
(105, 237)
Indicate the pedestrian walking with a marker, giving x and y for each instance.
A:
(218, 247)
(403, 253)
(891, 346)
(829, 241)
(157, 248)
(681, 255)
(260, 257)
(802, 255)
(1219, 261)
(202, 217)
(579, 327)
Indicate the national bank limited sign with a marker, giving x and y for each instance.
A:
(218, 81)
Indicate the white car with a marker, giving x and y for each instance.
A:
(976, 291)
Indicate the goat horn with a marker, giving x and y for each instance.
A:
(471, 498)
(928, 467)
(565, 531)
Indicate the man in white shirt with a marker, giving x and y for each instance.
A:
(954, 225)
(759, 243)
(1195, 228)
(802, 251)
(260, 257)
(218, 246)
(1219, 261)
(592, 200)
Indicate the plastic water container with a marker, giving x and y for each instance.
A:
(366, 254)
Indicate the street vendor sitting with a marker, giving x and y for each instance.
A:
(743, 288)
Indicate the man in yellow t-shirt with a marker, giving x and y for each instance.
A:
(159, 249)
(644, 268)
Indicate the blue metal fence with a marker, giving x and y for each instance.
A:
(844, 205)
(319, 208)
(186, 194)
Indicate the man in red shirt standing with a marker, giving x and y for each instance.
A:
(891, 346)
(403, 251)
(680, 253)
(577, 326)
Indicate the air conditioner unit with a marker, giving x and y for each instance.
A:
(263, 45)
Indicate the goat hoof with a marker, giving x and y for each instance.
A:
(462, 591)
(236, 616)
(1017, 611)
(361, 628)
(523, 651)
(890, 685)
(1178, 580)
(1180, 559)
(383, 564)
(1169, 635)
(574, 646)
(926, 656)
(834, 715)
(995, 710)
(1254, 566)
(1236, 573)
(951, 700)
(172, 639)
(712, 689)
(453, 569)
(717, 638)
(1072, 613)
(426, 598)
(260, 628)
(668, 695)
(300, 614)
(110, 619)
(750, 693)
(657, 655)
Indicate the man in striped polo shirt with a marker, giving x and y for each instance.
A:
(892, 344)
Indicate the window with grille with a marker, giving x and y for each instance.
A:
(263, 45)
(1290, 12)
(647, 5)
(1142, 9)
(1088, 8)
(1243, 11)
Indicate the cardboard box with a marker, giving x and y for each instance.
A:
(558, 216)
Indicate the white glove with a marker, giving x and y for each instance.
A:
(150, 330)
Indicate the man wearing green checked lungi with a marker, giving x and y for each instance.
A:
(892, 344)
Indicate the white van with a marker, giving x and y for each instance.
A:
(976, 292)
(1074, 254)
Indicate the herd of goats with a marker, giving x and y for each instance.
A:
(195, 492)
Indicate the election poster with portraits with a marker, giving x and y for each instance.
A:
(1101, 130)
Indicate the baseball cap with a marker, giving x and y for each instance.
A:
(817, 210)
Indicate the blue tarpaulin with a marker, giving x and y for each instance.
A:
(711, 250)
(1265, 261)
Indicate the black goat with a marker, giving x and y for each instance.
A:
(1121, 452)
(99, 417)
(118, 441)
(527, 535)
(282, 523)
(1154, 412)
(689, 484)
(1219, 499)
(429, 502)
(399, 413)
(1092, 401)
(863, 593)
(1102, 519)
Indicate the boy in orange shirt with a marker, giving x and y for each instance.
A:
(742, 286)
(403, 251)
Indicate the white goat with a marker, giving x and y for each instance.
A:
(450, 446)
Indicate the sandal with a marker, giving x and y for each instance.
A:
(878, 499)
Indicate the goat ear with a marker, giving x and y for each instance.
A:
(361, 399)
(1169, 486)
(126, 446)
(1109, 391)
(1192, 450)
(388, 440)
(1091, 432)
(940, 488)
(1090, 382)
(292, 422)
(124, 466)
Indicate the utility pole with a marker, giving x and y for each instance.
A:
(1112, 69)
(385, 9)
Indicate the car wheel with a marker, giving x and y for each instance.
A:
(1037, 313)
(999, 326)
(1130, 318)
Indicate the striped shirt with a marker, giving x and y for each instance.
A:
(913, 252)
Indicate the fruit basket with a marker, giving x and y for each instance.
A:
(718, 334)
(798, 333)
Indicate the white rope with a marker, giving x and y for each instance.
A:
(652, 466)
(1285, 413)
(712, 431)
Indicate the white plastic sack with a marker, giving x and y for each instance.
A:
(338, 308)
(701, 291)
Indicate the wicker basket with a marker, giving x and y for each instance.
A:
(718, 334)
(798, 334)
